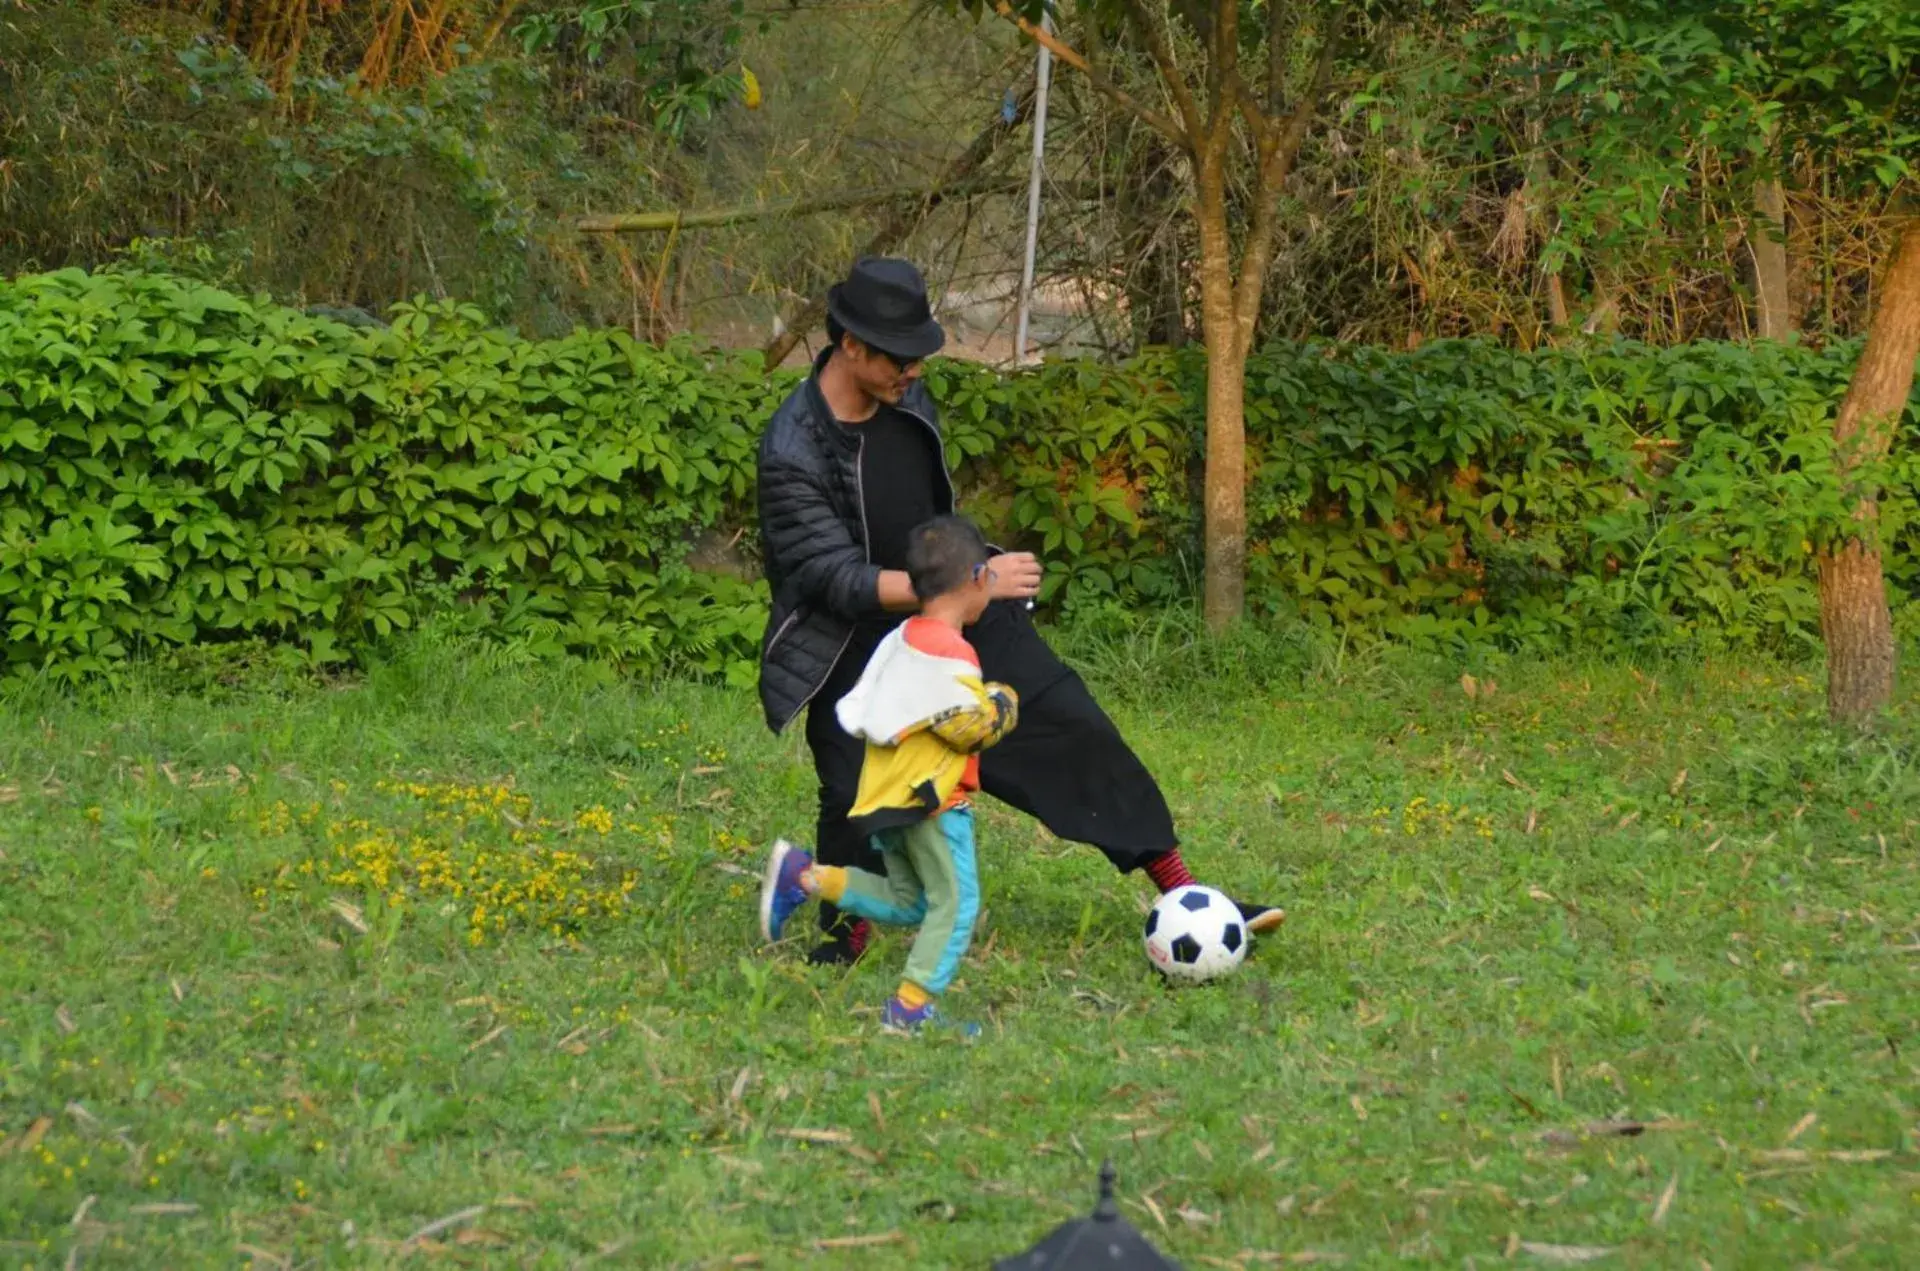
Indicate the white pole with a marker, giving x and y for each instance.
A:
(1042, 76)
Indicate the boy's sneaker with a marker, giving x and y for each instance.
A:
(898, 1017)
(781, 892)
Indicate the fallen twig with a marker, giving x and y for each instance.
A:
(439, 1225)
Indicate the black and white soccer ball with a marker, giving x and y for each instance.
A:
(1195, 934)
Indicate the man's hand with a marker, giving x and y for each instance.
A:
(1016, 576)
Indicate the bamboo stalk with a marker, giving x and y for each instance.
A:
(682, 218)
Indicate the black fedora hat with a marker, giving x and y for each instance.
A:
(883, 302)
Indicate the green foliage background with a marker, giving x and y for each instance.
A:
(179, 464)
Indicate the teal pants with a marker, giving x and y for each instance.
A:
(932, 882)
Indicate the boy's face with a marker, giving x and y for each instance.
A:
(978, 593)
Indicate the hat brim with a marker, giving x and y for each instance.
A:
(908, 344)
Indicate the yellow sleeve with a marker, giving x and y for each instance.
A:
(973, 728)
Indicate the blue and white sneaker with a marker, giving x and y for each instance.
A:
(898, 1017)
(782, 893)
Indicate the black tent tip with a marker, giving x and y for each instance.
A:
(1107, 1211)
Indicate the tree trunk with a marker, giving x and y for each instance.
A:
(1225, 499)
(1169, 324)
(1773, 308)
(1557, 312)
(1853, 599)
(1558, 317)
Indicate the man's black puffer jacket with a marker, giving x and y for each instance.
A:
(813, 532)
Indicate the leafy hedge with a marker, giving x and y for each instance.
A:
(180, 464)
(1611, 494)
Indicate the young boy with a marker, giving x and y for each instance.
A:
(925, 715)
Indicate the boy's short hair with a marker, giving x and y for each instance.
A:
(943, 554)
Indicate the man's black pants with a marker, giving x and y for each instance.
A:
(1065, 765)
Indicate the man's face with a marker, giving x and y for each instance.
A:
(878, 374)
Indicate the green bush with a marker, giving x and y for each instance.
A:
(178, 464)
(1610, 494)
(181, 465)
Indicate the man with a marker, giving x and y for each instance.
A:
(850, 463)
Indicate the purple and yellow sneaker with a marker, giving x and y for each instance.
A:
(898, 1017)
(782, 893)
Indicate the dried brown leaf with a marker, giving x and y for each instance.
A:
(817, 1136)
(1566, 1255)
(860, 1242)
(1666, 1200)
(35, 1132)
(480, 1236)
(350, 915)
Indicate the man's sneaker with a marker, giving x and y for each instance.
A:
(781, 892)
(1260, 919)
(901, 1018)
(843, 946)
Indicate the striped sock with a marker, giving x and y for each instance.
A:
(1168, 871)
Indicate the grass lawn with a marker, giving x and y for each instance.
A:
(1596, 960)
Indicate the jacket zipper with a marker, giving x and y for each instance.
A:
(866, 545)
(785, 627)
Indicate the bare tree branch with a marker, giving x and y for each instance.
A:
(1257, 122)
(1224, 89)
(1279, 44)
(1161, 52)
(1224, 73)
(1094, 73)
(1277, 154)
(697, 218)
(1199, 16)
(904, 219)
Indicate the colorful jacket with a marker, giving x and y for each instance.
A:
(925, 715)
